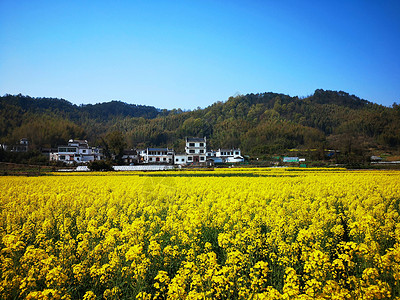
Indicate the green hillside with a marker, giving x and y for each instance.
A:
(259, 124)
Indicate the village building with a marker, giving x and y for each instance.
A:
(156, 155)
(229, 155)
(180, 159)
(210, 153)
(212, 159)
(50, 153)
(22, 146)
(130, 157)
(196, 149)
(77, 151)
(196, 153)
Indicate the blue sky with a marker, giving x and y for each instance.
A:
(188, 54)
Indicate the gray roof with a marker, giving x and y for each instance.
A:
(159, 149)
(129, 152)
(196, 139)
(229, 150)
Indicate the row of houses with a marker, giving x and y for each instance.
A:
(196, 153)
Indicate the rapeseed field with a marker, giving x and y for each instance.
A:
(227, 234)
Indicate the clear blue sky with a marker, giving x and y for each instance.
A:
(185, 54)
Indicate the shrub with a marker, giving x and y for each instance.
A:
(100, 165)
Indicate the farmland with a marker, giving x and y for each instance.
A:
(223, 234)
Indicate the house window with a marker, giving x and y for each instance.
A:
(202, 158)
(190, 158)
(191, 151)
(191, 144)
(201, 144)
(62, 157)
(201, 151)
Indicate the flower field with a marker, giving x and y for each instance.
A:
(228, 234)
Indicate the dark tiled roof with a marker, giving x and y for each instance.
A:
(80, 141)
(159, 149)
(129, 152)
(196, 139)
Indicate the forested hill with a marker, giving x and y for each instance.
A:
(100, 111)
(51, 121)
(263, 123)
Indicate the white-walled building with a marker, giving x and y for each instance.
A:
(196, 153)
(229, 155)
(156, 155)
(180, 159)
(77, 151)
(196, 149)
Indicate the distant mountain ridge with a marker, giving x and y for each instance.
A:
(100, 111)
(259, 124)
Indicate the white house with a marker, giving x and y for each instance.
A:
(229, 155)
(196, 153)
(77, 151)
(156, 155)
(227, 152)
(196, 149)
(180, 159)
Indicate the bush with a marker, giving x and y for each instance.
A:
(100, 165)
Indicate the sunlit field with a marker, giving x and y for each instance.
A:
(229, 234)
